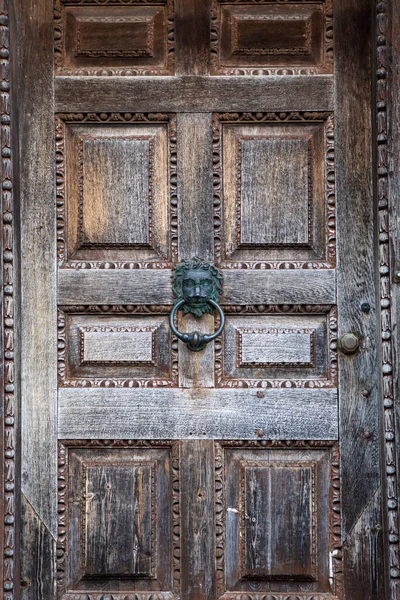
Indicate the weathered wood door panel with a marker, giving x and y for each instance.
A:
(151, 132)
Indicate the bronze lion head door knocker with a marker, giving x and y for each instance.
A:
(197, 286)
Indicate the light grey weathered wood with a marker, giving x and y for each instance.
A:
(271, 172)
(136, 286)
(38, 264)
(275, 348)
(177, 413)
(117, 346)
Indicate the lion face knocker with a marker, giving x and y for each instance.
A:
(198, 288)
(197, 282)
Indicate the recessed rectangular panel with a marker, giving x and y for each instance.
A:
(269, 347)
(278, 527)
(114, 38)
(288, 36)
(284, 349)
(135, 345)
(116, 185)
(275, 504)
(118, 518)
(274, 191)
(114, 189)
(118, 349)
(118, 527)
(272, 38)
(97, 36)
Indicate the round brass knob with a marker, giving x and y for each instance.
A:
(349, 343)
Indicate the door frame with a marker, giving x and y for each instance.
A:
(386, 139)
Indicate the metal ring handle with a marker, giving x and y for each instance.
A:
(196, 341)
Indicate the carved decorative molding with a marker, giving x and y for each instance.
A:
(334, 519)
(331, 381)
(274, 331)
(125, 329)
(116, 309)
(292, 51)
(8, 266)
(60, 26)
(108, 53)
(325, 67)
(329, 174)
(115, 382)
(63, 524)
(62, 120)
(383, 33)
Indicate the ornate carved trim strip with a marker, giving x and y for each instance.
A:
(115, 118)
(383, 20)
(8, 265)
(330, 204)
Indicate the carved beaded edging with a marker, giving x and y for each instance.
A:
(85, 382)
(383, 18)
(8, 309)
(329, 382)
(60, 26)
(217, 69)
(329, 171)
(334, 519)
(62, 219)
(62, 542)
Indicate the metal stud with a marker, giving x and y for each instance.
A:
(349, 343)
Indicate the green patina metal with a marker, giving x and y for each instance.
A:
(197, 281)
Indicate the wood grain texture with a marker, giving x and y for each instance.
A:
(120, 38)
(363, 551)
(272, 523)
(284, 413)
(137, 286)
(197, 533)
(130, 346)
(274, 348)
(278, 535)
(196, 369)
(195, 186)
(271, 172)
(195, 216)
(94, 349)
(118, 519)
(291, 347)
(277, 193)
(38, 553)
(115, 191)
(193, 94)
(192, 37)
(38, 266)
(358, 375)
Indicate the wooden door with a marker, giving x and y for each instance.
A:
(152, 132)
